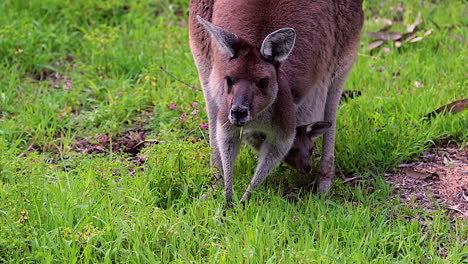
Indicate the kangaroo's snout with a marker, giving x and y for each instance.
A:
(239, 115)
(243, 97)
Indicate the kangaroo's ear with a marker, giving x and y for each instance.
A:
(314, 130)
(227, 41)
(278, 44)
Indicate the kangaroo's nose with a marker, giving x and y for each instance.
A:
(307, 168)
(239, 115)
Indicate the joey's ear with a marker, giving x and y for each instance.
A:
(278, 44)
(226, 40)
(317, 129)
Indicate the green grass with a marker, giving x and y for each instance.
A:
(60, 206)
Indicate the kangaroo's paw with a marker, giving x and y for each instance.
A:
(324, 186)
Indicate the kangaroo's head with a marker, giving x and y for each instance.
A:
(247, 73)
(302, 149)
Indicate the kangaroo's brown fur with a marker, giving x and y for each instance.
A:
(250, 41)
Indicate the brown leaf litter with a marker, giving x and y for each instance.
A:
(131, 142)
(410, 36)
(453, 107)
(440, 176)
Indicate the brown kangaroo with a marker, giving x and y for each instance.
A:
(299, 156)
(268, 67)
(300, 153)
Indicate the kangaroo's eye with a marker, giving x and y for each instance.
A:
(229, 81)
(263, 83)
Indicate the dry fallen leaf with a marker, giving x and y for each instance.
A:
(387, 22)
(427, 33)
(405, 165)
(456, 208)
(385, 35)
(375, 44)
(412, 27)
(417, 174)
(409, 36)
(453, 107)
(416, 39)
(418, 84)
(447, 161)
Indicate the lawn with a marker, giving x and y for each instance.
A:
(104, 153)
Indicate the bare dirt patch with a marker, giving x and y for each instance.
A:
(440, 176)
(131, 142)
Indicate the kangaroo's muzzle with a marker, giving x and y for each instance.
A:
(239, 115)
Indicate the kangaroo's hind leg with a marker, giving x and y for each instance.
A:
(327, 162)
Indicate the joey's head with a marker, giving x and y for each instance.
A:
(302, 149)
(246, 73)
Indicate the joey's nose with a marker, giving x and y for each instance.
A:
(239, 115)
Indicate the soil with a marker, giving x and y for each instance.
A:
(439, 177)
(132, 142)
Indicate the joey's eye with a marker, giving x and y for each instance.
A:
(229, 81)
(263, 83)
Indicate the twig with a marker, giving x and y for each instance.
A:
(30, 147)
(146, 141)
(453, 208)
(349, 179)
(179, 80)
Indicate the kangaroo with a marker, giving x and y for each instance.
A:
(299, 155)
(303, 146)
(269, 67)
